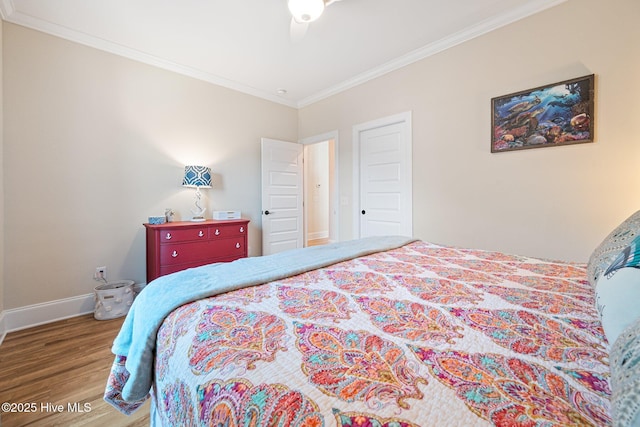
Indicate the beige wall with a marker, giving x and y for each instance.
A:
(556, 202)
(1, 185)
(95, 143)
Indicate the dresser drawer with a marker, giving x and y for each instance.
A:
(227, 230)
(173, 268)
(183, 235)
(184, 253)
(225, 248)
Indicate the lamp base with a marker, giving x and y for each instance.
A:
(197, 219)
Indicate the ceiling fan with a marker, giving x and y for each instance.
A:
(304, 12)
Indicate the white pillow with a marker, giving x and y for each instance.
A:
(618, 300)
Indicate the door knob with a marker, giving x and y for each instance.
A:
(363, 212)
(267, 212)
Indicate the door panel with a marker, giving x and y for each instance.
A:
(385, 178)
(282, 192)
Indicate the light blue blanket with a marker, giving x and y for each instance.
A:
(137, 338)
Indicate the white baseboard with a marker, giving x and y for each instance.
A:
(316, 235)
(47, 312)
(3, 328)
(29, 316)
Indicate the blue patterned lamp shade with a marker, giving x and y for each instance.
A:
(197, 176)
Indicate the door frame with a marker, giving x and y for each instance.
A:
(334, 217)
(374, 124)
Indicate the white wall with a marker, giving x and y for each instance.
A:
(95, 143)
(556, 202)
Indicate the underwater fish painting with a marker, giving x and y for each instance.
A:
(551, 115)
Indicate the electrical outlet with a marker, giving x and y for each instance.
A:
(100, 274)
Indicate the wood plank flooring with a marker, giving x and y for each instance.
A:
(318, 242)
(62, 363)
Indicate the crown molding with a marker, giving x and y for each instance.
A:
(434, 48)
(9, 14)
(6, 9)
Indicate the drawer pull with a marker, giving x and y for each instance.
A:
(237, 245)
(201, 233)
(217, 232)
(242, 229)
(174, 254)
(168, 237)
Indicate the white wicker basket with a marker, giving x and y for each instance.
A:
(113, 299)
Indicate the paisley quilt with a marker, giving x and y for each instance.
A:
(421, 335)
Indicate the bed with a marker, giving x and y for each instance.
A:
(375, 332)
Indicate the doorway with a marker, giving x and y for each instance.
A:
(320, 189)
(294, 216)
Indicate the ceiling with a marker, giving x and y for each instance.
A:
(245, 45)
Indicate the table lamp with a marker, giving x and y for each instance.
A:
(197, 177)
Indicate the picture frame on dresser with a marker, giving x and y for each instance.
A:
(176, 246)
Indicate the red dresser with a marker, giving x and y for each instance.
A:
(175, 246)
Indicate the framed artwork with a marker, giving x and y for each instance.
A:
(556, 114)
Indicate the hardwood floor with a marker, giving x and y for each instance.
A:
(318, 242)
(62, 365)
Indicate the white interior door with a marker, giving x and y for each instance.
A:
(282, 193)
(385, 178)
